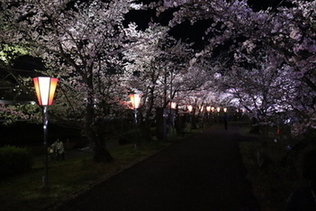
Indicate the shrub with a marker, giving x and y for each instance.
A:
(136, 136)
(128, 137)
(14, 161)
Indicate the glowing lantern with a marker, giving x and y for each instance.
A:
(190, 108)
(173, 105)
(135, 99)
(45, 89)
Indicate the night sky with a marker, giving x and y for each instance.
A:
(185, 31)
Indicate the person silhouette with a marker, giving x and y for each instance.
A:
(59, 145)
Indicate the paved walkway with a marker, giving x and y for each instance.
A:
(203, 172)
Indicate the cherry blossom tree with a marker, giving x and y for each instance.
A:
(287, 30)
(80, 43)
(263, 85)
(156, 62)
(88, 43)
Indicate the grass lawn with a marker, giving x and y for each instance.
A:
(273, 176)
(67, 178)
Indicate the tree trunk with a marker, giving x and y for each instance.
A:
(193, 121)
(94, 132)
(101, 154)
(180, 125)
(161, 128)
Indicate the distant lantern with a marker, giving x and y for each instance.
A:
(135, 100)
(225, 110)
(45, 89)
(208, 108)
(218, 109)
(173, 105)
(190, 108)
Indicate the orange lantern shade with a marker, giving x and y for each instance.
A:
(190, 108)
(45, 89)
(173, 105)
(135, 99)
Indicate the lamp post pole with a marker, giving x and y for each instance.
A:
(135, 100)
(173, 107)
(135, 116)
(45, 89)
(208, 110)
(190, 109)
(45, 125)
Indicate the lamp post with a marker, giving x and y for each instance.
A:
(191, 116)
(173, 114)
(173, 105)
(190, 108)
(201, 108)
(135, 99)
(218, 114)
(208, 110)
(201, 116)
(225, 118)
(45, 89)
